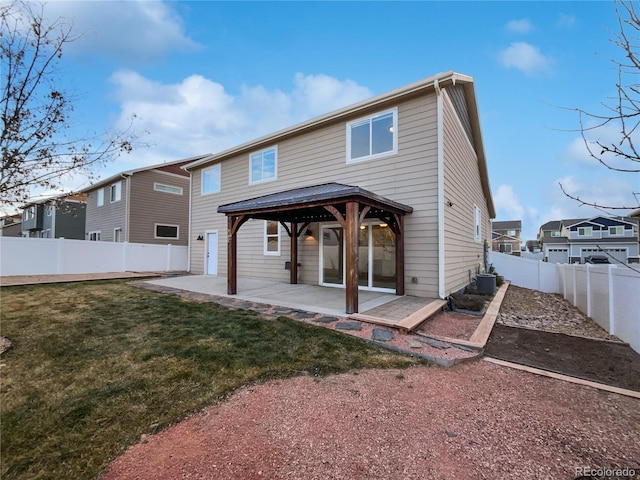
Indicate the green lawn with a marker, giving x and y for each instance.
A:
(95, 365)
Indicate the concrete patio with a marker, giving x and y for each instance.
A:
(311, 298)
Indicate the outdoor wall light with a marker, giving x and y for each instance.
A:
(200, 238)
(308, 232)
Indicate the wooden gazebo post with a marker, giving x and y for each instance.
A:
(234, 222)
(351, 241)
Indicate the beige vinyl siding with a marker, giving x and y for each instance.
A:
(109, 216)
(150, 207)
(462, 187)
(317, 157)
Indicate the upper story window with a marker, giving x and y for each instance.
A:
(372, 137)
(161, 187)
(511, 233)
(477, 231)
(29, 213)
(100, 199)
(616, 230)
(210, 180)
(585, 231)
(49, 210)
(555, 233)
(116, 192)
(263, 165)
(271, 237)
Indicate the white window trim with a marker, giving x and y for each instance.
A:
(117, 229)
(369, 118)
(219, 172)
(477, 223)
(155, 231)
(275, 169)
(118, 188)
(266, 237)
(508, 248)
(100, 197)
(616, 227)
(97, 234)
(588, 231)
(164, 188)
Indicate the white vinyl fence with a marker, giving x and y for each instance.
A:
(47, 256)
(607, 293)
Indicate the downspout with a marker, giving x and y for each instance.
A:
(189, 229)
(440, 135)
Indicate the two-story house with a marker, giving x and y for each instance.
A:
(505, 236)
(59, 217)
(144, 205)
(11, 225)
(390, 194)
(570, 241)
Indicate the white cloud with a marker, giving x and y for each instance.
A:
(566, 21)
(526, 58)
(133, 32)
(507, 203)
(197, 115)
(519, 26)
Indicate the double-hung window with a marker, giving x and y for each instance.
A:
(477, 231)
(211, 180)
(372, 137)
(263, 166)
(116, 192)
(271, 237)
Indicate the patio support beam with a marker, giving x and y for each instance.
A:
(351, 240)
(234, 222)
(399, 232)
(293, 270)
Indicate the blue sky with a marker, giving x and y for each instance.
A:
(205, 76)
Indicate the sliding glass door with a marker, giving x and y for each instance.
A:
(376, 257)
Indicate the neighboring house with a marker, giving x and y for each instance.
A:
(391, 194)
(11, 225)
(145, 205)
(570, 241)
(59, 217)
(505, 236)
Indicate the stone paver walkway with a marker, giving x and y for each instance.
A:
(445, 354)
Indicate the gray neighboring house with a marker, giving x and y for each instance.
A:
(505, 236)
(59, 217)
(570, 241)
(145, 205)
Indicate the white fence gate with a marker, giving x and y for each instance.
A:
(46, 256)
(606, 293)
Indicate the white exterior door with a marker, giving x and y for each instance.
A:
(211, 257)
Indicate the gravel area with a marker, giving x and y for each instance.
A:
(476, 420)
(548, 312)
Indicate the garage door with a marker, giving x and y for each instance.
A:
(558, 255)
(618, 254)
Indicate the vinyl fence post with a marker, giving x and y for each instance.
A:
(61, 262)
(612, 319)
(588, 289)
(125, 256)
(168, 257)
(575, 286)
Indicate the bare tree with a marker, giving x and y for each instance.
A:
(622, 111)
(36, 144)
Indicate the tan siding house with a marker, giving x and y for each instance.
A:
(407, 151)
(146, 205)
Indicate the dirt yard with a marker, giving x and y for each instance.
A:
(553, 335)
(476, 420)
